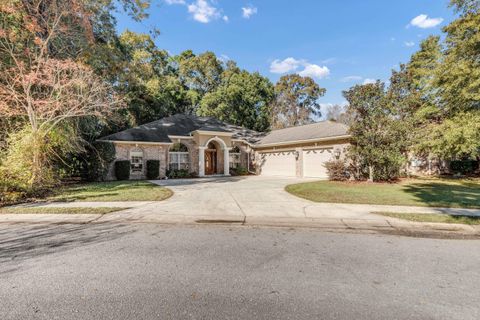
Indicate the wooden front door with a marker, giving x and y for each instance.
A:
(210, 162)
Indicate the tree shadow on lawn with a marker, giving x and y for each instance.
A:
(20, 242)
(459, 194)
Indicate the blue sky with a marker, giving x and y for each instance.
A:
(338, 42)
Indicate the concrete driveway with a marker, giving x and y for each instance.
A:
(239, 197)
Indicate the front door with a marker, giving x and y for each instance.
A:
(210, 162)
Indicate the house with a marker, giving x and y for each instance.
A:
(206, 146)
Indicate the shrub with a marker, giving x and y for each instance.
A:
(337, 170)
(179, 174)
(464, 166)
(122, 169)
(153, 169)
(239, 171)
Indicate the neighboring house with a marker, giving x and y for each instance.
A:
(207, 146)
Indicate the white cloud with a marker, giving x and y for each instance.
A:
(284, 66)
(175, 1)
(369, 81)
(351, 78)
(225, 18)
(291, 64)
(424, 22)
(409, 43)
(249, 11)
(315, 71)
(203, 12)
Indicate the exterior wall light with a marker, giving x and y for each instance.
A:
(337, 153)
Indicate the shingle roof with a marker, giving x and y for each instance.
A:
(318, 130)
(181, 125)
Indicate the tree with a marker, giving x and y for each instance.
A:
(465, 6)
(376, 133)
(458, 74)
(446, 75)
(200, 74)
(296, 101)
(339, 114)
(40, 87)
(242, 98)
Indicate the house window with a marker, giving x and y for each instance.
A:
(136, 161)
(179, 157)
(235, 157)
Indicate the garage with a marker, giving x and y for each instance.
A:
(313, 162)
(278, 163)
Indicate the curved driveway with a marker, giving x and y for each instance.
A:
(239, 197)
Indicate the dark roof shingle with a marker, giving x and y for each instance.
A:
(181, 125)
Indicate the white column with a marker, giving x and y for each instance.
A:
(201, 161)
(226, 161)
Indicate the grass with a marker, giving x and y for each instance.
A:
(58, 210)
(431, 217)
(113, 191)
(450, 193)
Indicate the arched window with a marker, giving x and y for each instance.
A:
(235, 157)
(179, 157)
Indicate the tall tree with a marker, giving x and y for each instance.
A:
(40, 85)
(339, 114)
(147, 80)
(242, 98)
(296, 101)
(376, 133)
(200, 74)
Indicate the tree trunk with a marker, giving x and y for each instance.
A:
(370, 173)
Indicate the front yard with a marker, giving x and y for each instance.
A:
(454, 193)
(113, 191)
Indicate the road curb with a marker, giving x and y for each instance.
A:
(387, 225)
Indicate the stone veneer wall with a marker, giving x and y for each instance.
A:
(244, 151)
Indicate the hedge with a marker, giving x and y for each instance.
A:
(464, 166)
(153, 169)
(122, 169)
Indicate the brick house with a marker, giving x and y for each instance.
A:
(206, 146)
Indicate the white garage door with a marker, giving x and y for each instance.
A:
(278, 164)
(313, 161)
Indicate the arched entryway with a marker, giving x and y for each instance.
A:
(214, 158)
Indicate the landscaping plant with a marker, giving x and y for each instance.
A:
(122, 169)
(153, 169)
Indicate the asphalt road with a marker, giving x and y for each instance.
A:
(149, 271)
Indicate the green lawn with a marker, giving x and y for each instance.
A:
(57, 210)
(414, 192)
(113, 191)
(428, 217)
